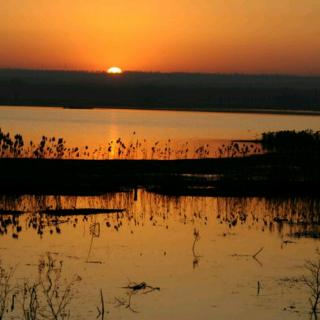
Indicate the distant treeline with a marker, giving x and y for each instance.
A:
(159, 90)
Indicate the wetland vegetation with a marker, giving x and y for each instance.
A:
(160, 228)
(279, 162)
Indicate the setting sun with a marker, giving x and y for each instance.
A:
(114, 70)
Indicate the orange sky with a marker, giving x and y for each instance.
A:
(251, 36)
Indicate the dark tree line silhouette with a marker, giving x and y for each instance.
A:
(159, 90)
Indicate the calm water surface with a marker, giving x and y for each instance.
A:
(197, 250)
(145, 134)
(98, 125)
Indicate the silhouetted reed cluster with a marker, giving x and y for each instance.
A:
(291, 141)
(56, 148)
(15, 147)
(236, 149)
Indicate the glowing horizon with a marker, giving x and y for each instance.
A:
(207, 36)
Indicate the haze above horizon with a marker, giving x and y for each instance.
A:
(210, 36)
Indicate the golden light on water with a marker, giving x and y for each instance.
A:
(114, 70)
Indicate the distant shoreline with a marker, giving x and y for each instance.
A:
(266, 94)
(181, 109)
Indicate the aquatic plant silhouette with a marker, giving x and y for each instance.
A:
(6, 290)
(101, 310)
(30, 301)
(133, 289)
(312, 281)
(135, 148)
(56, 295)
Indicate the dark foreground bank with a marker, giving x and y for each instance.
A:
(269, 174)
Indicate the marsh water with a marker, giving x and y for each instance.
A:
(205, 258)
(152, 132)
(155, 257)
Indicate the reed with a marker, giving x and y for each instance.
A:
(14, 146)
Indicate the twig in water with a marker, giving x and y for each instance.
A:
(133, 289)
(258, 287)
(141, 286)
(101, 311)
(123, 303)
(196, 257)
(95, 233)
(253, 256)
(5, 290)
(30, 302)
(313, 282)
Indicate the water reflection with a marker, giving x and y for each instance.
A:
(204, 253)
(293, 217)
(94, 127)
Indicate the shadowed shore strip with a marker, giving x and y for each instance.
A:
(289, 166)
(275, 174)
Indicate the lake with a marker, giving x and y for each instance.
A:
(154, 256)
(203, 258)
(150, 133)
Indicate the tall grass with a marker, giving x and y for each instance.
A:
(14, 146)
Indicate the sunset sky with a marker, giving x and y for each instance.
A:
(247, 36)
